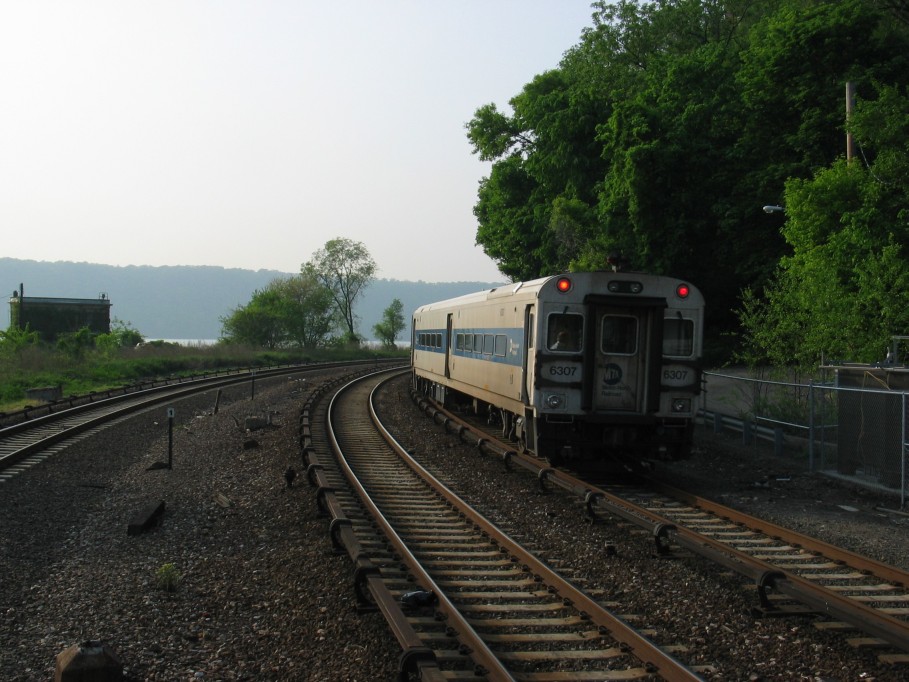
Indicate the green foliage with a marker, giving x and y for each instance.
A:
(391, 325)
(307, 311)
(290, 312)
(121, 335)
(344, 268)
(76, 344)
(43, 365)
(844, 291)
(15, 340)
(168, 578)
(670, 124)
(258, 323)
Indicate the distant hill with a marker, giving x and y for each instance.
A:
(187, 302)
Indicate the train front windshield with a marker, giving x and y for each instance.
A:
(565, 332)
(678, 337)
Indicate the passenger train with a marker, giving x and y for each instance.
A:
(580, 365)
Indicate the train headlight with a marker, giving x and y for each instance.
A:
(682, 290)
(564, 285)
(554, 401)
(681, 405)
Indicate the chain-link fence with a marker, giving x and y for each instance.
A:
(852, 424)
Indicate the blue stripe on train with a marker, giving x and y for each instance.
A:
(502, 346)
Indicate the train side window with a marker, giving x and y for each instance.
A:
(501, 345)
(459, 342)
(488, 344)
(468, 342)
(421, 339)
(620, 335)
(564, 332)
(678, 336)
(530, 332)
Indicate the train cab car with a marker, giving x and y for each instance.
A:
(590, 365)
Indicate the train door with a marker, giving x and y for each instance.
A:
(527, 363)
(448, 345)
(623, 347)
(525, 427)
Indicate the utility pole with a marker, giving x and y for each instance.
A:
(850, 103)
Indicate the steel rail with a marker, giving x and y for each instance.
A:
(664, 664)
(77, 419)
(466, 634)
(416, 657)
(765, 575)
(892, 574)
(656, 661)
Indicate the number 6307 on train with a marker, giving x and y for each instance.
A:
(581, 365)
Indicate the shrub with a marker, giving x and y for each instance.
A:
(168, 578)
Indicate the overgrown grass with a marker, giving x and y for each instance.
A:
(37, 367)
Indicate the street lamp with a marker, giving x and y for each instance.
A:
(773, 209)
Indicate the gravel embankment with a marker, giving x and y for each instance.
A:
(264, 598)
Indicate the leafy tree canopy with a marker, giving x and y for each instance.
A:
(664, 131)
(844, 290)
(391, 325)
(345, 268)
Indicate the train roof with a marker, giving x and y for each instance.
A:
(487, 294)
(591, 280)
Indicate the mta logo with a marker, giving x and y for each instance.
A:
(612, 374)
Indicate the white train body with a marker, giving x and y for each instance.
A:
(588, 364)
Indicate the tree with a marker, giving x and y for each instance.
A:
(260, 322)
(844, 290)
(345, 268)
(391, 325)
(14, 340)
(121, 335)
(663, 132)
(307, 311)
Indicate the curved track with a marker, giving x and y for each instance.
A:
(493, 610)
(794, 574)
(32, 440)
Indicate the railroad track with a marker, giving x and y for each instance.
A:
(793, 573)
(464, 600)
(32, 440)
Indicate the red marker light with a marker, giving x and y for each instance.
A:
(563, 285)
(682, 290)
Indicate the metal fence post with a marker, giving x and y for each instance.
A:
(903, 463)
(811, 425)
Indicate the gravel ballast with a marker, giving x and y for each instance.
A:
(263, 597)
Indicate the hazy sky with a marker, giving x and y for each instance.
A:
(247, 134)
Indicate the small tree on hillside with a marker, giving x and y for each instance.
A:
(391, 325)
